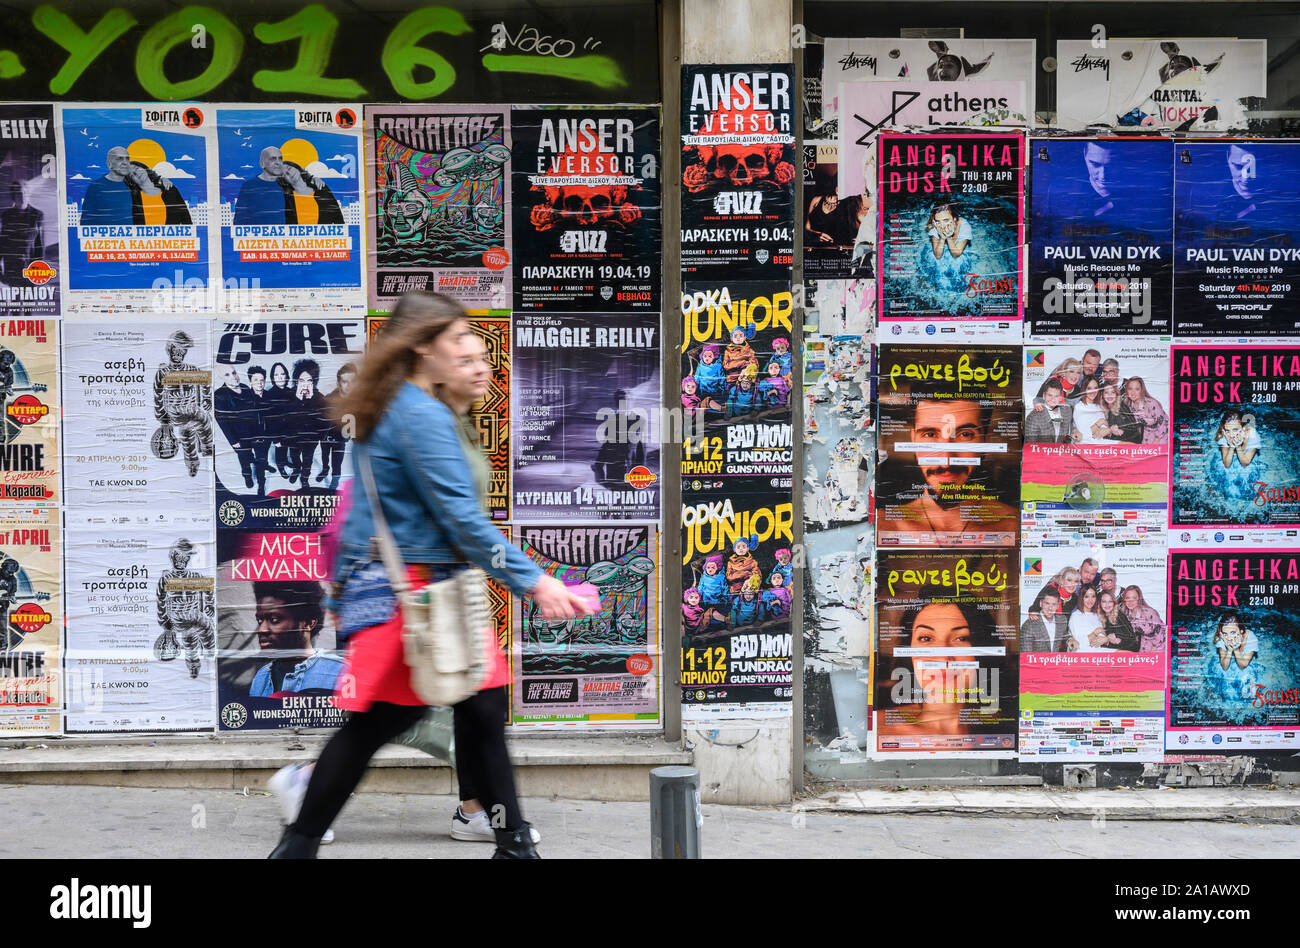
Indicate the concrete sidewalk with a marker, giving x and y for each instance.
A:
(1277, 805)
(53, 822)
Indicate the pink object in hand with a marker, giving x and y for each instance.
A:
(590, 593)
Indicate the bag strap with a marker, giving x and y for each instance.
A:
(393, 564)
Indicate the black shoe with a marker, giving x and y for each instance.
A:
(248, 480)
(295, 846)
(515, 844)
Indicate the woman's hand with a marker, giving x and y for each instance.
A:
(557, 601)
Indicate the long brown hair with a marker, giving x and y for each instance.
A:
(418, 319)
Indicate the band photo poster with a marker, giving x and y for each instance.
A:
(136, 206)
(292, 215)
(1095, 467)
(1093, 632)
(951, 235)
(587, 209)
(138, 422)
(1101, 257)
(439, 202)
(30, 263)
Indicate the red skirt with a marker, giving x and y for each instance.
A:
(375, 667)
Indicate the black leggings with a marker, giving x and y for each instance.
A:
(480, 753)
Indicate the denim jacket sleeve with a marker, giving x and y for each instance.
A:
(436, 462)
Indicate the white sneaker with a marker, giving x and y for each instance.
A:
(475, 828)
(289, 784)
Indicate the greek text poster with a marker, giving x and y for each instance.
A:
(29, 411)
(31, 618)
(30, 262)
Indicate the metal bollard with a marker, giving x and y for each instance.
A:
(675, 814)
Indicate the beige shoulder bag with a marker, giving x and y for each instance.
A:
(445, 625)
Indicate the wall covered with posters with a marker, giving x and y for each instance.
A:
(192, 266)
(1048, 366)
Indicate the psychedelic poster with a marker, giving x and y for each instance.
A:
(586, 427)
(1101, 236)
(738, 171)
(956, 64)
(737, 575)
(949, 426)
(1183, 84)
(440, 204)
(1095, 467)
(1092, 654)
(491, 416)
(292, 214)
(1234, 650)
(736, 373)
(587, 209)
(138, 423)
(31, 616)
(277, 664)
(136, 207)
(951, 235)
(30, 406)
(30, 263)
(279, 456)
(142, 624)
(1236, 445)
(602, 669)
(1237, 239)
(946, 663)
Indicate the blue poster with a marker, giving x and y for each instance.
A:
(1237, 239)
(291, 208)
(1101, 236)
(137, 209)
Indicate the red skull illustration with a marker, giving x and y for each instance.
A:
(584, 206)
(741, 165)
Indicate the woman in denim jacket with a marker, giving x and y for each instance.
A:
(408, 413)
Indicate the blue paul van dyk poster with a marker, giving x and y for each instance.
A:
(1237, 239)
(291, 207)
(1101, 236)
(137, 208)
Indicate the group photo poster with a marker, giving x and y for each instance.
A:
(292, 209)
(1095, 467)
(737, 576)
(32, 679)
(136, 206)
(1093, 633)
(30, 263)
(1101, 257)
(280, 456)
(736, 372)
(1237, 240)
(951, 235)
(30, 407)
(949, 422)
(491, 414)
(587, 391)
(1234, 650)
(602, 669)
(1235, 459)
(439, 204)
(945, 670)
(961, 65)
(588, 215)
(1176, 83)
(278, 657)
(142, 624)
(138, 422)
(738, 172)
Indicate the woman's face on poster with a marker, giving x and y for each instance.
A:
(945, 223)
(279, 376)
(1089, 599)
(1107, 603)
(1133, 390)
(1071, 375)
(1068, 585)
(1090, 391)
(1131, 600)
(940, 625)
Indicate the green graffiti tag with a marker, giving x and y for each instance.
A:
(83, 48)
(316, 27)
(598, 70)
(222, 35)
(10, 65)
(402, 54)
